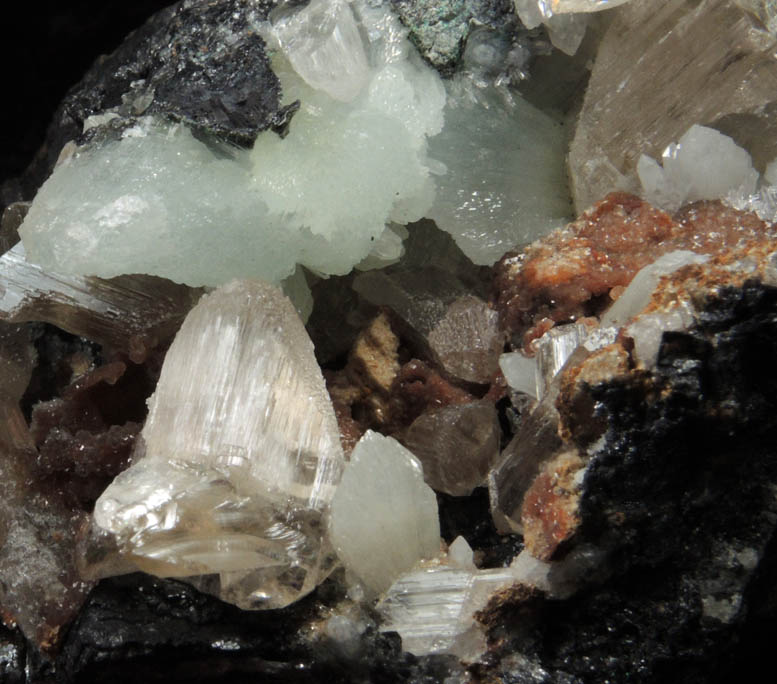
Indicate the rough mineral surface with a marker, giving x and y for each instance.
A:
(240, 455)
(384, 517)
(660, 70)
(578, 271)
(441, 29)
(678, 457)
(40, 589)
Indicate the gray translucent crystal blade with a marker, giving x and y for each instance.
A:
(129, 313)
(662, 67)
(242, 455)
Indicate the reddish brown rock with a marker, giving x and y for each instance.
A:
(579, 270)
(550, 514)
(85, 436)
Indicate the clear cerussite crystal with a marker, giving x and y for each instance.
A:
(242, 454)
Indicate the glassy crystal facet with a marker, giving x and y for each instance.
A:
(241, 456)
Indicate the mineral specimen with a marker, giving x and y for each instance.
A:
(633, 510)
(580, 270)
(319, 197)
(130, 314)
(702, 165)
(660, 70)
(456, 445)
(239, 458)
(40, 589)
(384, 517)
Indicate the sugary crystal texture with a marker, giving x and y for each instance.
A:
(160, 201)
(384, 516)
(241, 455)
(40, 589)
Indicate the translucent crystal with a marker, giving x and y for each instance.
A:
(467, 340)
(553, 350)
(520, 371)
(660, 69)
(433, 607)
(128, 313)
(322, 43)
(384, 516)
(456, 445)
(505, 183)
(241, 456)
(518, 464)
(639, 291)
(435, 294)
(562, 6)
(161, 201)
(533, 375)
(566, 32)
(703, 164)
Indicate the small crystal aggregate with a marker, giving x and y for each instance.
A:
(433, 415)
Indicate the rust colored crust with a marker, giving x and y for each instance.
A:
(550, 514)
(509, 598)
(579, 270)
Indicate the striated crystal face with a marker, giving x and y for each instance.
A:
(384, 516)
(241, 456)
(130, 313)
(660, 69)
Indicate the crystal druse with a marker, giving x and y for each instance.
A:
(308, 373)
(367, 144)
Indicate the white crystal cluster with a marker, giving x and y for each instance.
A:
(241, 455)
(703, 164)
(366, 149)
(565, 19)
(161, 201)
